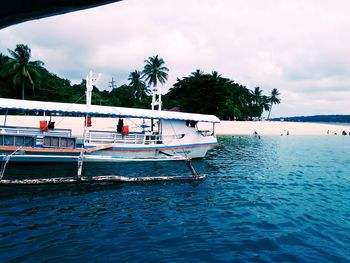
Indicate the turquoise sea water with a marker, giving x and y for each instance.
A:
(336, 123)
(281, 199)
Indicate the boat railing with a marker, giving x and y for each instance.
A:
(95, 136)
(34, 131)
(114, 137)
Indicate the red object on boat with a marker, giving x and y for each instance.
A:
(125, 130)
(43, 126)
(88, 122)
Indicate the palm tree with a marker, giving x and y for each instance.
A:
(21, 67)
(274, 100)
(197, 73)
(154, 72)
(266, 102)
(256, 102)
(138, 84)
(215, 75)
(257, 98)
(242, 98)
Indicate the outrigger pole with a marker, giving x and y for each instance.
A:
(101, 179)
(193, 171)
(188, 162)
(5, 160)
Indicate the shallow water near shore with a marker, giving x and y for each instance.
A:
(270, 199)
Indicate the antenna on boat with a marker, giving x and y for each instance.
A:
(90, 82)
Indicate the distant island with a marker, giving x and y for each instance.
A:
(316, 118)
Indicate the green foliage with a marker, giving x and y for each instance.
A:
(214, 94)
(5, 92)
(50, 87)
(199, 92)
(21, 69)
(138, 85)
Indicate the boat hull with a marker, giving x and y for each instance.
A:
(112, 154)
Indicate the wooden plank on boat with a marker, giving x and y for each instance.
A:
(99, 179)
(56, 150)
(100, 147)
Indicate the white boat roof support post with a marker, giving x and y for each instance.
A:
(59, 107)
(90, 82)
(156, 98)
(159, 98)
(153, 98)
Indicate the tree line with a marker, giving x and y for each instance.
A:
(200, 92)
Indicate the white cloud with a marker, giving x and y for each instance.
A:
(298, 47)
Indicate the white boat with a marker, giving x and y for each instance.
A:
(168, 135)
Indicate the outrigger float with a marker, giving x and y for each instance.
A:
(162, 136)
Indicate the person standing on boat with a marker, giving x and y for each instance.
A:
(120, 125)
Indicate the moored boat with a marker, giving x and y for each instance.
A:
(170, 135)
(157, 135)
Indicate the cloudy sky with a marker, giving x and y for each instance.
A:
(300, 47)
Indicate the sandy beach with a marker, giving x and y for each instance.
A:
(263, 128)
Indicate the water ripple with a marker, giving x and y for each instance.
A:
(269, 199)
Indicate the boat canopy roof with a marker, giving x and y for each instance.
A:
(58, 107)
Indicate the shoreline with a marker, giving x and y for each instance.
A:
(262, 128)
(277, 128)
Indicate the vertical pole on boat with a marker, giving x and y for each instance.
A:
(81, 155)
(159, 99)
(80, 164)
(88, 91)
(153, 104)
(156, 98)
(5, 160)
(90, 82)
(7, 110)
